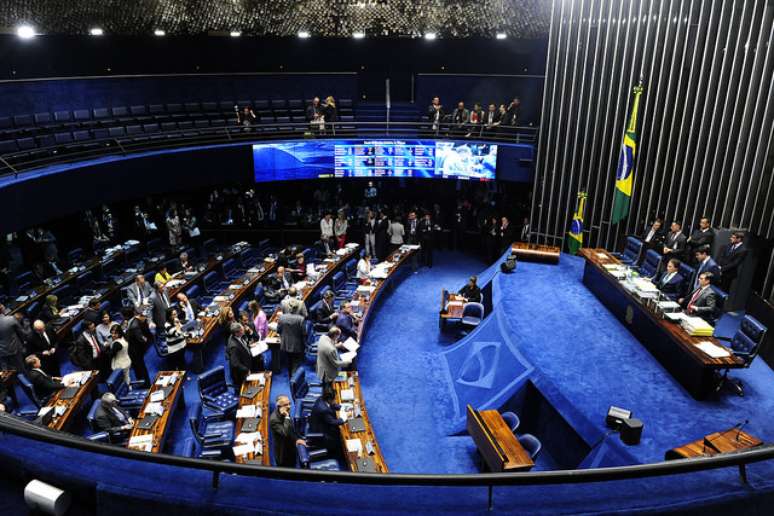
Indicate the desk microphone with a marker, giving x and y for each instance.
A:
(739, 429)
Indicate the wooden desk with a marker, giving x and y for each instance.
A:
(536, 252)
(731, 440)
(160, 429)
(365, 436)
(667, 341)
(212, 264)
(451, 307)
(73, 405)
(499, 448)
(262, 400)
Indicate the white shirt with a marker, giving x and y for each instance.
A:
(326, 228)
(363, 268)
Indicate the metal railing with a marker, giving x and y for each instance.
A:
(76, 151)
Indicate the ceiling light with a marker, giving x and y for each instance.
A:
(501, 35)
(25, 31)
(96, 31)
(303, 34)
(358, 35)
(430, 35)
(159, 32)
(235, 34)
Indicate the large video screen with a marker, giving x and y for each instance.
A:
(374, 158)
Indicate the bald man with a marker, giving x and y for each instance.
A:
(42, 342)
(284, 434)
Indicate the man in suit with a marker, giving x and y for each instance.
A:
(435, 114)
(292, 331)
(11, 342)
(326, 314)
(653, 237)
(730, 259)
(704, 263)
(44, 384)
(188, 309)
(139, 292)
(346, 321)
(277, 285)
(460, 118)
(369, 232)
(293, 305)
(675, 243)
(426, 239)
(470, 291)
(139, 337)
(702, 302)
(110, 417)
(88, 354)
(238, 355)
(323, 420)
(701, 237)
(670, 283)
(490, 120)
(42, 342)
(328, 361)
(159, 302)
(92, 312)
(283, 433)
(412, 236)
(504, 233)
(382, 238)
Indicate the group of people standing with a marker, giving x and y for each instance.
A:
(494, 120)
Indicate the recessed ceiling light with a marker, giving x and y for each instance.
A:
(430, 35)
(25, 31)
(159, 32)
(235, 33)
(96, 31)
(501, 35)
(303, 34)
(358, 35)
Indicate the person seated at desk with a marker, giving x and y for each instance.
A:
(346, 321)
(162, 275)
(471, 292)
(299, 272)
(188, 310)
(277, 285)
(323, 420)
(110, 417)
(42, 343)
(705, 263)
(185, 263)
(92, 312)
(293, 305)
(283, 433)
(364, 268)
(50, 310)
(702, 302)
(43, 384)
(328, 361)
(670, 283)
(139, 292)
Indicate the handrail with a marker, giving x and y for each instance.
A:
(15, 426)
(261, 132)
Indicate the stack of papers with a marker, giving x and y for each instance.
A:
(220, 299)
(349, 356)
(379, 273)
(256, 377)
(76, 378)
(243, 449)
(409, 247)
(153, 409)
(142, 442)
(258, 348)
(165, 381)
(352, 245)
(713, 350)
(697, 327)
(157, 396)
(248, 437)
(354, 446)
(348, 395)
(248, 411)
(668, 306)
(237, 286)
(350, 344)
(342, 252)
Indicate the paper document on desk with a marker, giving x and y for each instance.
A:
(349, 356)
(352, 245)
(347, 395)
(350, 344)
(141, 442)
(244, 449)
(258, 348)
(153, 408)
(157, 395)
(354, 445)
(675, 316)
(248, 411)
(256, 377)
(713, 350)
(379, 273)
(219, 299)
(76, 378)
(248, 437)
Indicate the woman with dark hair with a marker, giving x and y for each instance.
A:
(260, 322)
(175, 341)
(330, 113)
(119, 351)
(104, 327)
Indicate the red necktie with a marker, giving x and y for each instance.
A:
(693, 299)
(94, 344)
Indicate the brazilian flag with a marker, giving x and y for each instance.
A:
(576, 227)
(624, 176)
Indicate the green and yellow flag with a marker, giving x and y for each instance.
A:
(576, 226)
(624, 177)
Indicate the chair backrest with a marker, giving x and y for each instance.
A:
(687, 272)
(633, 249)
(350, 267)
(258, 294)
(652, 263)
(211, 281)
(212, 382)
(116, 384)
(229, 266)
(748, 338)
(298, 386)
(91, 415)
(530, 443)
(303, 456)
(473, 310)
(339, 281)
(194, 420)
(193, 292)
(722, 297)
(29, 390)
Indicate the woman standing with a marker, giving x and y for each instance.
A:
(260, 322)
(396, 232)
(192, 231)
(226, 317)
(330, 114)
(119, 351)
(340, 230)
(175, 228)
(175, 341)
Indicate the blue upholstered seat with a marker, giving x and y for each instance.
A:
(211, 281)
(632, 251)
(316, 459)
(213, 435)
(128, 399)
(512, 420)
(472, 314)
(531, 444)
(745, 345)
(215, 392)
(651, 265)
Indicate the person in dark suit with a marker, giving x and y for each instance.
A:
(675, 243)
(653, 236)
(139, 337)
(326, 314)
(436, 114)
(490, 121)
(283, 433)
(470, 291)
(346, 321)
(292, 332)
(382, 238)
(42, 342)
(426, 239)
(704, 263)
(701, 237)
(730, 259)
(504, 234)
(139, 292)
(277, 285)
(11, 342)
(238, 356)
(88, 354)
(323, 420)
(110, 417)
(44, 384)
(702, 302)
(159, 302)
(671, 282)
(92, 312)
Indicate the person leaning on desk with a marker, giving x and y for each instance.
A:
(323, 420)
(702, 302)
(471, 292)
